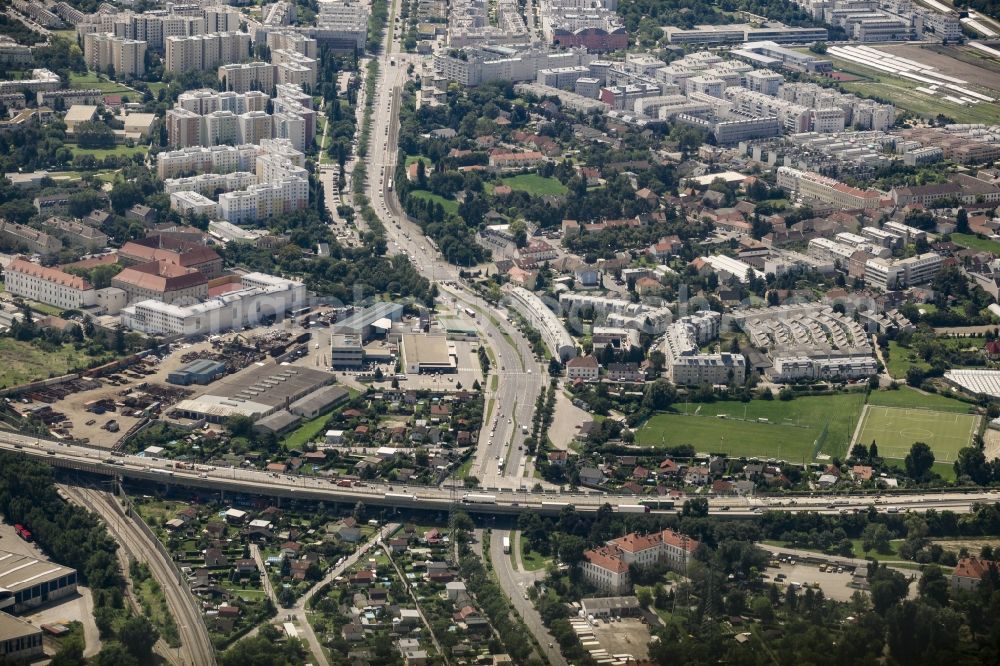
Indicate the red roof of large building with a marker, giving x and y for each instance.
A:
(160, 276)
(635, 542)
(973, 567)
(606, 558)
(48, 274)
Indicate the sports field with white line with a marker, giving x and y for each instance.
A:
(895, 429)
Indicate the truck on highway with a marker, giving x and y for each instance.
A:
(400, 497)
(473, 498)
(632, 508)
(506, 544)
(657, 504)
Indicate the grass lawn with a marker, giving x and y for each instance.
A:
(904, 94)
(534, 184)
(428, 162)
(154, 603)
(450, 205)
(306, 432)
(120, 151)
(531, 560)
(92, 80)
(895, 429)
(46, 309)
(902, 359)
(858, 552)
(792, 430)
(24, 362)
(974, 242)
(465, 468)
(911, 397)
(156, 86)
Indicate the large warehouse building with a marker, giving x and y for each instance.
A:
(32, 582)
(19, 640)
(256, 392)
(427, 353)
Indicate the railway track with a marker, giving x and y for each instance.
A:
(196, 647)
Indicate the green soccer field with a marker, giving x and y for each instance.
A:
(792, 430)
(895, 429)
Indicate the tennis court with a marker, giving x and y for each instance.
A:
(895, 429)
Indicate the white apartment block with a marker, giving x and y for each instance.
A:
(202, 159)
(194, 203)
(103, 51)
(811, 368)
(222, 18)
(264, 200)
(889, 274)
(807, 184)
(205, 52)
(209, 183)
(206, 101)
(248, 76)
(290, 40)
(864, 114)
(290, 126)
(151, 28)
(279, 13)
(686, 365)
(291, 67)
(261, 296)
(534, 309)
(48, 285)
(480, 65)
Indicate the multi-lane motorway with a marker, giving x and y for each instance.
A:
(499, 500)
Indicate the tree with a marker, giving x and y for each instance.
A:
(113, 654)
(659, 395)
(919, 461)
(239, 425)
(933, 586)
(645, 597)
(696, 507)
(859, 451)
(571, 549)
(138, 635)
(962, 222)
(876, 536)
(887, 587)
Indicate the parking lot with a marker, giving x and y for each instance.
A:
(626, 636)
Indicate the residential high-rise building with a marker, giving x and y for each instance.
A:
(205, 52)
(104, 51)
(247, 76)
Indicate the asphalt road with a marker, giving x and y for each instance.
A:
(515, 585)
(520, 378)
